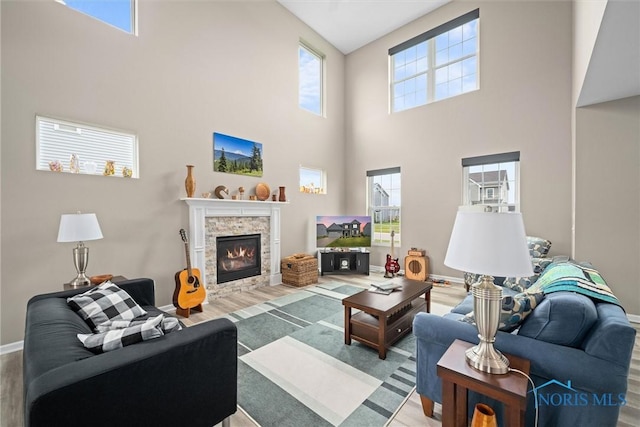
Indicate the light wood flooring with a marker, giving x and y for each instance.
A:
(409, 415)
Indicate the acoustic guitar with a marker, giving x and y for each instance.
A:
(392, 266)
(189, 293)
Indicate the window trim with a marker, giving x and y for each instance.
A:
(510, 157)
(370, 209)
(63, 125)
(323, 179)
(430, 72)
(133, 22)
(322, 58)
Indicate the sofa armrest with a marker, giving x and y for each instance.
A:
(187, 377)
(612, 338)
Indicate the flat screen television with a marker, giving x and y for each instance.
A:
(343, 231)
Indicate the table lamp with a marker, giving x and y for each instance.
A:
(489, 244)
(79, 228)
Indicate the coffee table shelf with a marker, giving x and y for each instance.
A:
(365, 327)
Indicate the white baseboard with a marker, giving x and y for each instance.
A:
(633, 318)
(458, 280)
(11, 347)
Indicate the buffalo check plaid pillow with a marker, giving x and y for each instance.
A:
(122, 337)
(103, 303)
(169, 324)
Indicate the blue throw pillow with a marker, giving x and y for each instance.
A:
(514, 310)
(538, 247)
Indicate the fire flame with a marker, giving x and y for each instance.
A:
(237, 258)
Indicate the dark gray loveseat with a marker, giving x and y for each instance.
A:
(184, 378)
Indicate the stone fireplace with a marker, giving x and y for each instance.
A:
(214, 224)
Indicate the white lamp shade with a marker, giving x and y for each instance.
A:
(489, 243)
(79, 228)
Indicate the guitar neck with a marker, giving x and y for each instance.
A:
(186, 249)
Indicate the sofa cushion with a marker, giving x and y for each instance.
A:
(103, 303)
(513, 311)
(538, 247)
(116, 337)
(563, 318)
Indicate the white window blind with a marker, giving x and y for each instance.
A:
(58, 140)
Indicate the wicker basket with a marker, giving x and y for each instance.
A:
(299, 270)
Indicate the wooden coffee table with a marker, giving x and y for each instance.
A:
(384, 319)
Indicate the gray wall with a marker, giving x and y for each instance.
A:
(196, 68)
(608, 194)
(523, 104)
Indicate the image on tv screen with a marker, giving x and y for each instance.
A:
(344, 231)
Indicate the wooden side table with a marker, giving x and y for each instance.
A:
(458, 377)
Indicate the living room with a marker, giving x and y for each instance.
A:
(196, 68)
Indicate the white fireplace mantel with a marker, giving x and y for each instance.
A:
(199, 209)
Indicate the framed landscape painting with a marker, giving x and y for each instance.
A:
(236, 155)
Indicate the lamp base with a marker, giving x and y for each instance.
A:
(80, 260)
(79, 281)
(487, 301)
(485, 358)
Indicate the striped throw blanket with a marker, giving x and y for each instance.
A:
(567, 276)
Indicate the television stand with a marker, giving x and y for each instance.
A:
(351, 262)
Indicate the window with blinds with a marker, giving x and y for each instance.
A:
(64, 146)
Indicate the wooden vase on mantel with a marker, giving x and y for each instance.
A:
(282, 197)
(483, 416)
(190, 182)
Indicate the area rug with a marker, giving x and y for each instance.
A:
(294, 368)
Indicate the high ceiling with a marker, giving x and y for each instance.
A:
(351, 24)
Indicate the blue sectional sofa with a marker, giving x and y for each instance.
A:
(579, 347)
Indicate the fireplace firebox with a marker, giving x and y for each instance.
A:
(238, 257)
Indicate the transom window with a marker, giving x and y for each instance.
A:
(384, 204)
(492, 180)
(435, 65)
(118, 13)
(310, 70)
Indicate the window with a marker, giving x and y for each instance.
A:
(118, 13)
(64, 146)
(310, 64)
(312, 181)
(492, 180)
(383, 203)
(435, 65)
